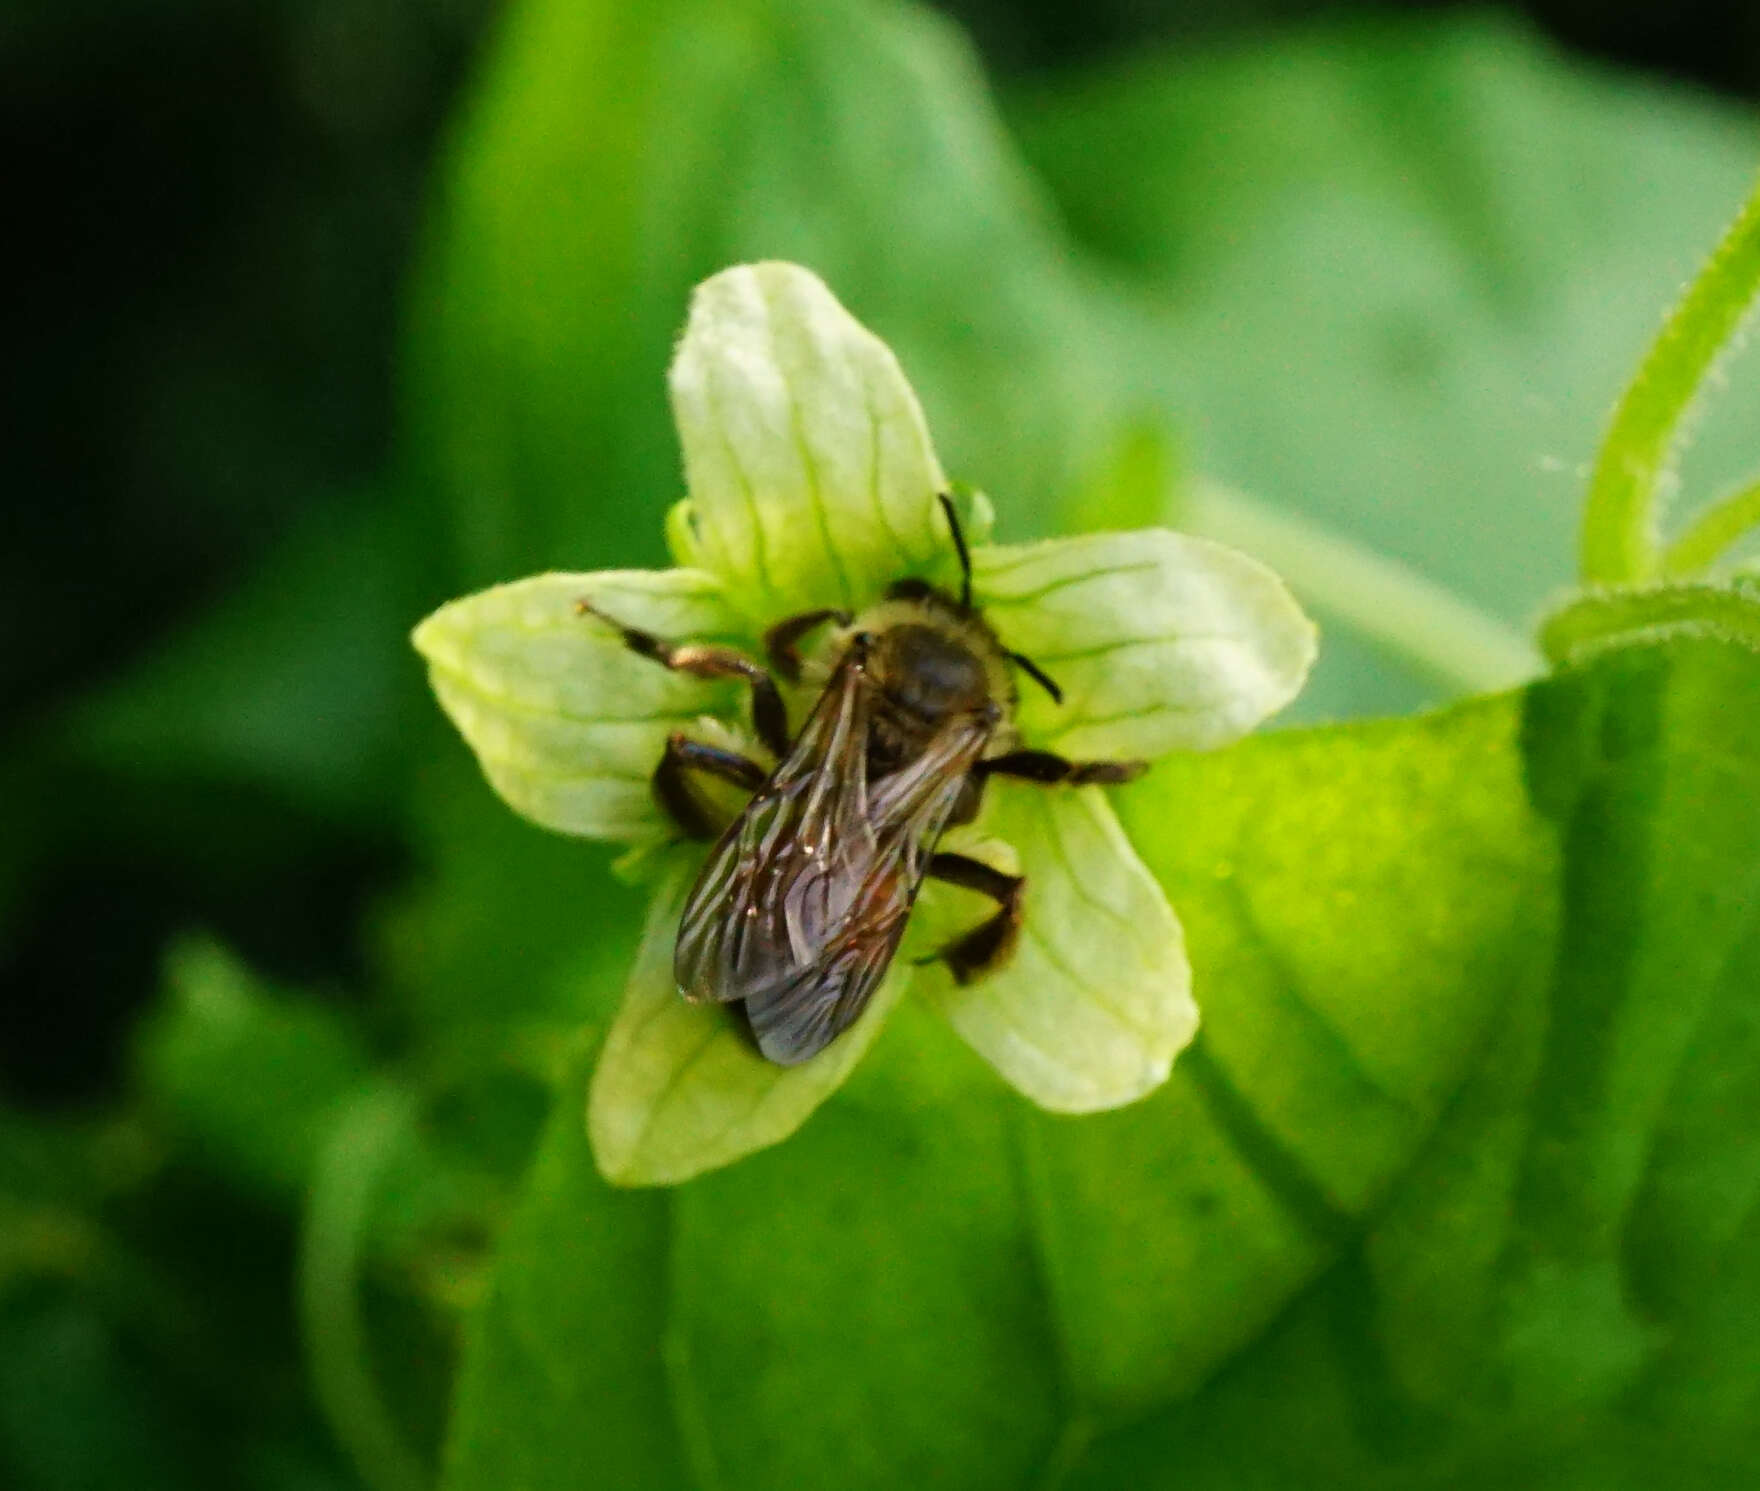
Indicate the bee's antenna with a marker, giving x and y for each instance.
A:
(1037, 674)
(959, 543)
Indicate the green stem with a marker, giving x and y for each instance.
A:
(1713, 531)
(1452, 642)
(1618, 618)
(1619, 544)
(364, 1140)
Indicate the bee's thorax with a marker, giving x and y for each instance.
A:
(930, 660)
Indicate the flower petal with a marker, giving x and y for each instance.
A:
(568, 722)
(1159, 641)
(679, 1090)
(811, 474)
(1095, 1002)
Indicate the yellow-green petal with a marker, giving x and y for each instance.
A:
(567, 722)
(679, 1090)
(1159, 641)
(1096, 1001)
(812, 478)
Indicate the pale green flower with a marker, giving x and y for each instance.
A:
(813, 483)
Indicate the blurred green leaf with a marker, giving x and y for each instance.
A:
(1394, 275)
(74, 1414)
(503, 924)
(252, 1078)
(298, 680)
(112, 1377)
(564, 1366)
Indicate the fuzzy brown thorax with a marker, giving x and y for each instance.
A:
(930, 659)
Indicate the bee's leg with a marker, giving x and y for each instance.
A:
(1053, 771)
(970, 799)
(780, 641)
(705, 660)
(672, 788)
(990, 942)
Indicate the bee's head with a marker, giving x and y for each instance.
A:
(927, 672)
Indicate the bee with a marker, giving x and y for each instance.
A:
(802, 902)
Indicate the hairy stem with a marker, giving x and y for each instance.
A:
(1614, 618)
(1644, 441)
(1713, 531)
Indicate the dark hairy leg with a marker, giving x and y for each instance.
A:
(780, 642)
(672, 787)
(988, 944)
(705, 660)
(1053, 771)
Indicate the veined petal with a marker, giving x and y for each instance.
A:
(1159, 641)
(679, 1090)
(812, 478)
(1096, 1001)
(567, 721)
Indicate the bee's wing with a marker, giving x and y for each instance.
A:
(801, 904)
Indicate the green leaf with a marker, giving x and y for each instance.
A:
(1335, 1028)
(295, 680)
(253, 1078)
(812, 478)
(567, 720)
(75, 1409)
(680, 1090)
(1647, 762)
(563, 1365)
(1158, 641)
(1559, 1292)
(502, 924)
(1095, 1002)
(865, 1297)
(611, 1331)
